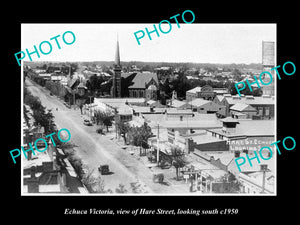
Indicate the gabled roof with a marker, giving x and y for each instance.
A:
(177, 103)
(141, 79)
(81, 85)
(198, 102)
(195, 90)
(220, 97)
(242, 107)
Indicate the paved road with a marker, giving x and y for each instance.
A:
(95, 149)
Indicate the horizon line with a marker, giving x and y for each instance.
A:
(112, 61)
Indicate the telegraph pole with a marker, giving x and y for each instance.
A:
(157, 151)
(263, 168)
(90, 108)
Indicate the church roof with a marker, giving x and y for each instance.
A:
(141, 79)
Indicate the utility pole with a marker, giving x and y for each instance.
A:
(74, 98)
(263, 168)
(157, 151)
(90, 108)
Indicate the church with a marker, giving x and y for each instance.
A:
(133, 85)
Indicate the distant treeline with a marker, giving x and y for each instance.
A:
(152, 65)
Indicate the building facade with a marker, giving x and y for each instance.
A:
(144, 85)
(264, 105)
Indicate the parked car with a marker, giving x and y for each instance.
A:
(87, 122)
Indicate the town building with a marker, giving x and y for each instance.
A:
(245, 135)
(265, 105)
(206, 92)
(144, 85)
(242, 111)
(175, 103)
(199, 140)
(250, 177)
(205, 106)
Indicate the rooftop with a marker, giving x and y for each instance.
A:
(200, 102)
(176, 103)
(195, 90)
(179, 111)
(250, 128)
(141, 79)
(250, 100)
(36, 160)
(204, 137)
(193, 124)
(198, 121)
(240, 106)
(229, 120)
(120, 100)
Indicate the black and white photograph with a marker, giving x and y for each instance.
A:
(167, 122)
(155, 113)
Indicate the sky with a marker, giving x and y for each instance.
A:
(197, 43)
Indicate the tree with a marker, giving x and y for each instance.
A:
(139, 135)
(178, 159)
(123, 129)
(94, 182)
(246, 91)
(165, 87)
(103, 117)
(236, 74)
(121, 189)
(181, 85)
(228, 184)
(41, 118)
(26, 117)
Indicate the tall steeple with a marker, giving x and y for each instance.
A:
(117, 56)
(116, 88)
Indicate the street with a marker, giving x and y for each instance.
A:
(95, 149)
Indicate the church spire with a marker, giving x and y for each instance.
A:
(117, 57)
(116, 88)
